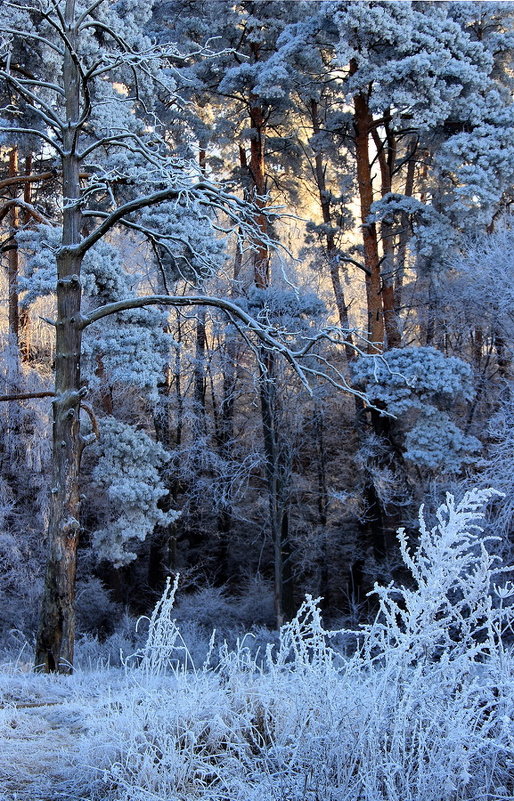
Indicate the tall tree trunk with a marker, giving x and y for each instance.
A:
(332, 255)
(405, 232)
(13, 259)
(56, 635)
(363, 123)
(24, 321)
(276, 471)
(199, 370)
(258, 174)
(278, 478)
(386, 154)
(226, 423)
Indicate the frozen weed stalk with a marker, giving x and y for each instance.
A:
(450, 607)
(164, 649)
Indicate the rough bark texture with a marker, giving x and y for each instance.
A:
(56, 635)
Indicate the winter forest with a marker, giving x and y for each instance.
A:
(257, 400)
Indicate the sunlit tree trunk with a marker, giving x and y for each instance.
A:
(363, 122)
(332, 255)
(386, 155)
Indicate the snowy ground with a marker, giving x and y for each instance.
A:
(45, 725)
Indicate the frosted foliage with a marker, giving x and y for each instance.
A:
(102, 272)
(477, 167)
(127, 472)
(450, 613)
(421, 710)
(133, 346)
(113, 112)
(419, 380)
(433, 234)
(411, 378)
(187, 247)
(419, 60)
(480, 285)
(497, 467)
(436, 443)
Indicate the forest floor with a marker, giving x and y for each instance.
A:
(46, 723)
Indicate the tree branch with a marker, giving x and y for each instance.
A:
(227, 306)
(24, 179)
(27, 396)
(28, 207)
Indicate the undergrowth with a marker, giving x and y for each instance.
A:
(421, 709)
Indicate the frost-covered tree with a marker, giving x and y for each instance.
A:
(417, 83)
(93, 77)
(419, 386)
(127, 471)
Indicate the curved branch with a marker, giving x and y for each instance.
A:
(28, 207)
(227, 306)
(33, 132)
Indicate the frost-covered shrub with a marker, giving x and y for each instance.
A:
(127, 472)
(421, 710)
(413, 384)
(212, 607)
(450, 611)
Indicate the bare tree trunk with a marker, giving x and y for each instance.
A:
(332, 255)
(56, 635)
(275, 466)
(363, 123)
(258, 174)
(24, 329)
(226, 426)
(386, 153)
(278, 478)
(13, 259)
(405, 232)
(199, 370)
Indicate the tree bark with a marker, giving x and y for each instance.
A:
(56, 635)
(386, 154)
(363, 123)
(13, 259)
(405, 231)
(332, 254)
